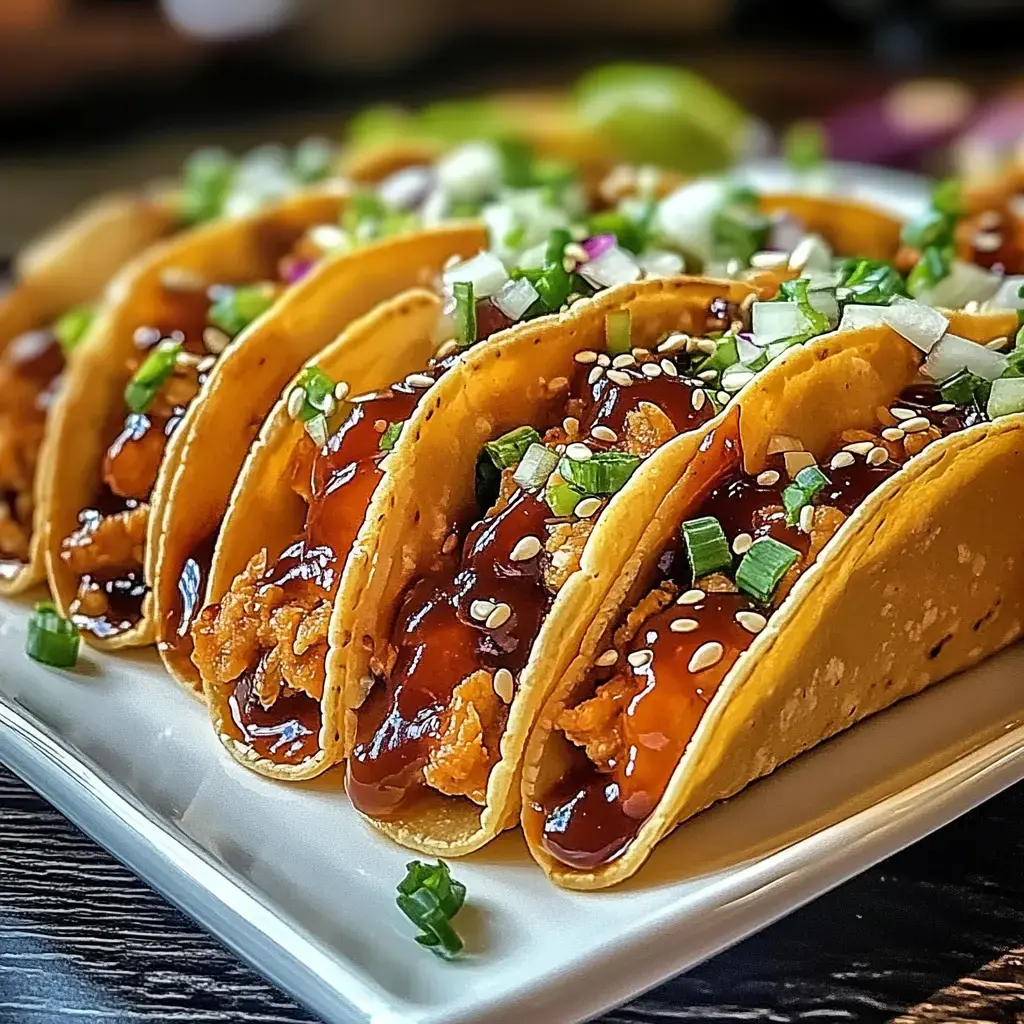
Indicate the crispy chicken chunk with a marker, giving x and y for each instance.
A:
(647, 429)
(106, 543)
(259, 625)
(461, 759)
(564, 548)
(823, 527)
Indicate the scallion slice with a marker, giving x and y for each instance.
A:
(71, 328)
(726, 354)
(509, 449)
(430, 898)
(52, 640)
(706, 546)
(536, 465)
(465, 312)
(961, 388)
(390, 437)
(763, 566)
(562, 498)
(802, 491)
(554, 282)
(603, 473)
(236, 308)
(803, 146)
(150, 376)
(317, 389)
(817, 323)
(618, 332)
(1006, 397)
(209, 174)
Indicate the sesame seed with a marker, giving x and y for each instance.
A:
(706, 656)
(620, 362)
(707, 345)
(859, 447)
(178, 279)
(186, 358)
(916, 424)
(607, 659)
(997, 344)
(451, 542)
(901, 413)
(694, 596)
(987, 241)
(587, 507)
(877, 456)
(501, 614)
(568, 265)
(578, 451)
(603, 433)
(707, 375)
(723, 397)
(603, 359)
(673, 343)
(768, 478)
(419, 380)
(641, 658)
(943, 407)
(576, 251)
(895, 433)
(806, 518)
(795, 461)
(683, 625)
(526, 548)
(479, 610)
(752, 622)
(639, 354)
(449, 348)
(296, 400)
(595, 375)
(668, 368)
(652, 636)
(651, 370)
(571, 425)
(380, 426)
(698, 398)
(841, 460)
(735, 380)
(742, 544)
(341, 391)
(207, 364)
(620, 377)
(215, 340)
(585, 357)
(504, 685)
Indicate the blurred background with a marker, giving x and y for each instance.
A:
(99, 93)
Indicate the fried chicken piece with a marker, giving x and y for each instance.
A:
(647, 429)
(823, 527)
(105, 543)
(716, 583)
(260, 625)
(596, 724)
(468, 746)
(650, 604)
(14, 538)
(564, 548)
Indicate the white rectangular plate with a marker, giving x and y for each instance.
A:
(298, 886)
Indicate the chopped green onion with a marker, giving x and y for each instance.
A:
(430, 898)
(1006, 397)
(236, 308)
(313, 160)
(603, 473)
(803, 146)
(209, 174)
(562, 498)
(536, 466)
(817, 323)
(317, 390)
(763, 566)
(739, 228)
(802, 491)
(554, 283)
(71, 328)
(930, 269)
(52, 640)
(947, 197)
(516, 163)
(869, 282)
(961, 388)
(931, 228)
(618, 331)
(465, 312)
(508, 450)
(706, 546)
(150, 376)
(631, 232)
(390, 437)
(725, 355)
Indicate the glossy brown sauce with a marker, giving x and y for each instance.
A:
(176, 641)
(287, 733)
(590, 817)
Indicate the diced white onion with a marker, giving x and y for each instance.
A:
(954, 353)
(857, 316)
(1008, 296)
(470, 173)
(812, 253)
(964, 283)
(661, 263)
(774, 320)
(614, 266)
(533, 258)
(685, 216)
(824, 301)
(486, 272)
(514, 298)
(328, 237)
(786, 232)
(521, 220)
(747, 351)
(1006, 397)
(921, 325)
(784, 443)
(768, 259)
(406, 188)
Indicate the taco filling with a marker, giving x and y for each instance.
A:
(731, 566)
(30, 370)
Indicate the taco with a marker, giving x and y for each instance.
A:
(838, 540)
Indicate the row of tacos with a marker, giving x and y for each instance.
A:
(585, 500)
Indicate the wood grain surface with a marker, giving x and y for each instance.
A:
(933, 934)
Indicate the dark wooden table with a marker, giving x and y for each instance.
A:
(931, 934)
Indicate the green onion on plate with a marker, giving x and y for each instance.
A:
(52, 640)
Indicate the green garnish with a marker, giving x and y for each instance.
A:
(807, 484)
(554, 282)
(725, 355)
(706, 547)
(618, 332)
(536, 465)
(603, 473)
(562, 498)
(963, 388)
(464, 314)
(71, 328)
(763, 566)
(150, 376)
(739, 228)
(804, 145)
(430, 898)
(367, 218)
(869, 282)
(390, 437)
(817, 323)
(631, 232)
(235, 308)
(508, 450)
(1006, 397)
(313, 160)
(930, 269)
(317, 395)
(947, 197)
(933, 234)
(208, 177)
(52, 640)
